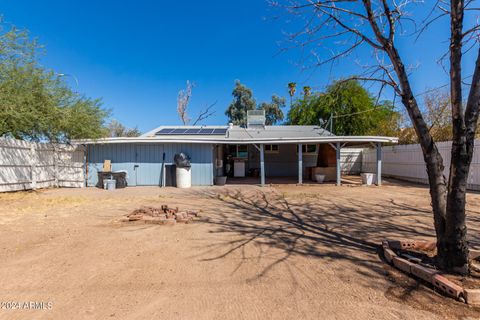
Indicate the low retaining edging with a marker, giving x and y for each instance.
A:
(434, 277)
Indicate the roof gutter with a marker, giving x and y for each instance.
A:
(323, 139)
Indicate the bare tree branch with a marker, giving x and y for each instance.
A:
(205, 114)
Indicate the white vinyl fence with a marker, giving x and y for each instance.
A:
(351, 160)
(29, 165)
(406, 162)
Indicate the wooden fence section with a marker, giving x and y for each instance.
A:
(406, 162)
(29, 165)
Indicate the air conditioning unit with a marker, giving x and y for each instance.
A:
(256, 118)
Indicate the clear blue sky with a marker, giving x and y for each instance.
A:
(137, 55)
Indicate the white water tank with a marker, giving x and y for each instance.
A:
(184, 177)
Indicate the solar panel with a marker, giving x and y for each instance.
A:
(219, 131)
(206, 131)
(193, 132)
(179, 131)
(165, 131)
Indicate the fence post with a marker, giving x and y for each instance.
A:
(55, 165)
(379, 164)
(33, 160)
(338, 148)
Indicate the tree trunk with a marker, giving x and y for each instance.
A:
(448, 208)
(432, 157)
(453, 255)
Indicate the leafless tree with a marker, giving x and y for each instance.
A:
(437, 114)
(343, 26)
(183, 100)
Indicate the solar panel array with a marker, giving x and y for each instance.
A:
(196, 131)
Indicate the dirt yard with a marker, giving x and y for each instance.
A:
(281, 252)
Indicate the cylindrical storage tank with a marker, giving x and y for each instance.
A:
(184, 177)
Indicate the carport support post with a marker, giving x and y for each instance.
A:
(337, 156)
(262, 165)
(300, 164)
(379, 164)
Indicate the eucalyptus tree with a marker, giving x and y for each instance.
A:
(243, 101)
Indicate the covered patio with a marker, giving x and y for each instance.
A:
(324, 159)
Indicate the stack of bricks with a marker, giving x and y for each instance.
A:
(411, 265)
(163, 215)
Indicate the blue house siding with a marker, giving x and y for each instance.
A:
(143, 162)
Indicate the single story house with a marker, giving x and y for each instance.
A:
(256, 150)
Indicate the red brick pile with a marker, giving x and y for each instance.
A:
(162, 215)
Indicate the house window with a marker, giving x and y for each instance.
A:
(308, 149)
(271, 148)
(238, 150)
(242, 151)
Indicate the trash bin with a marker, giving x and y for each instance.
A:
(109, 184)
(369, 178)
(183, 172)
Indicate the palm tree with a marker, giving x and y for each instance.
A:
(307, 91)
(292, 87)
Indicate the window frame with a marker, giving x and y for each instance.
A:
(271, 148)
(304, 149)
(237, 151)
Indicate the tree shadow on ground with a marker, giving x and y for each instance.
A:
(327, 229)
(343, 233)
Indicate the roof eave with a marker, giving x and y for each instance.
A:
(223, 140)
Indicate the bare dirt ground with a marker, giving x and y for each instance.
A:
(281, 252)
